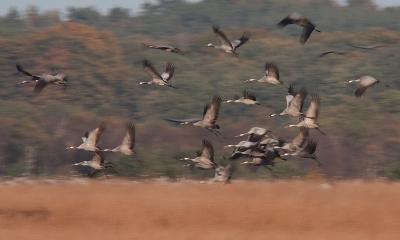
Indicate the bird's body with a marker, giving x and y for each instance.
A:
(294, 102)
(271, 75)
(166, 48)
(157, 79)
(42, 80)
(306, 152)
(209, 118)
(222, 174)
(310, 121)
(128, 142)
(364, 83)
(226, 45)
(90, 139)
(295, 18)
(206, 158)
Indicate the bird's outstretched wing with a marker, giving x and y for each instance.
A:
(271, 69)
(149, 68)
(290, 19)
(239, 42)
(207, 150)
(211, 113)
(169, 71)
(221, 36)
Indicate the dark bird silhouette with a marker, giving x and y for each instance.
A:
(333, 51)
(295, 18)
(165, 48)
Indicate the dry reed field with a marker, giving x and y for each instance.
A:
(121, 209)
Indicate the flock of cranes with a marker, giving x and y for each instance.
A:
(261, 147)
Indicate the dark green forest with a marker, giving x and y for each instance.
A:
(102, 57)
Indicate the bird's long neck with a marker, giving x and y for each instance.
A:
(141, 83)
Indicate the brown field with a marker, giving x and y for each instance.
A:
(102, 209)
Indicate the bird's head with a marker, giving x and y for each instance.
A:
(210, 45)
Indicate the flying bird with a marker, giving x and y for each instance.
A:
(205, 159)
(165, 48)
(364, 83)
(226, 45)
(128, 142)
(209, 118)
(271, 74)
(42, 80)
(333, 51)
(97, 164)
(90, 139)
(295, 18)
(307, 152)
(310, 121)
(160, 80)
(366, 47)
(294, 102)
(248, 99)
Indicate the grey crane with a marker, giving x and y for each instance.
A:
(222, 174)
(42, 80)
(165, 48)
(97, 164)
(255, 134)
(90, 139)
(294, 102)
(364, 83)
(333, 51)
(160, 80)
(295, 18)
(312, 115)
(366, 47)
(248, 99)
(209, 118)
(265, 159)
(297, 142)
(226, 45)
(271, 74)
(242, 146)
(205, 160)
(307, 152)
(128, 142)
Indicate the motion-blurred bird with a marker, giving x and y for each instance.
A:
(310, 121)
(90, 139)
(248, 98)
(128, 142)
(42, 80)
(295, 18)
(209, 118)
(307, 152)
(205, 160)
(165, 48)
(364, 83)
(226, 45)
(271, 74)
(160, 80)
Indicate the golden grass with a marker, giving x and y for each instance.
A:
(248, 210)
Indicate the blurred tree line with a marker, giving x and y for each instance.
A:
(102, 57)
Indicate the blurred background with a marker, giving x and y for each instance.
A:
(98, 46)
